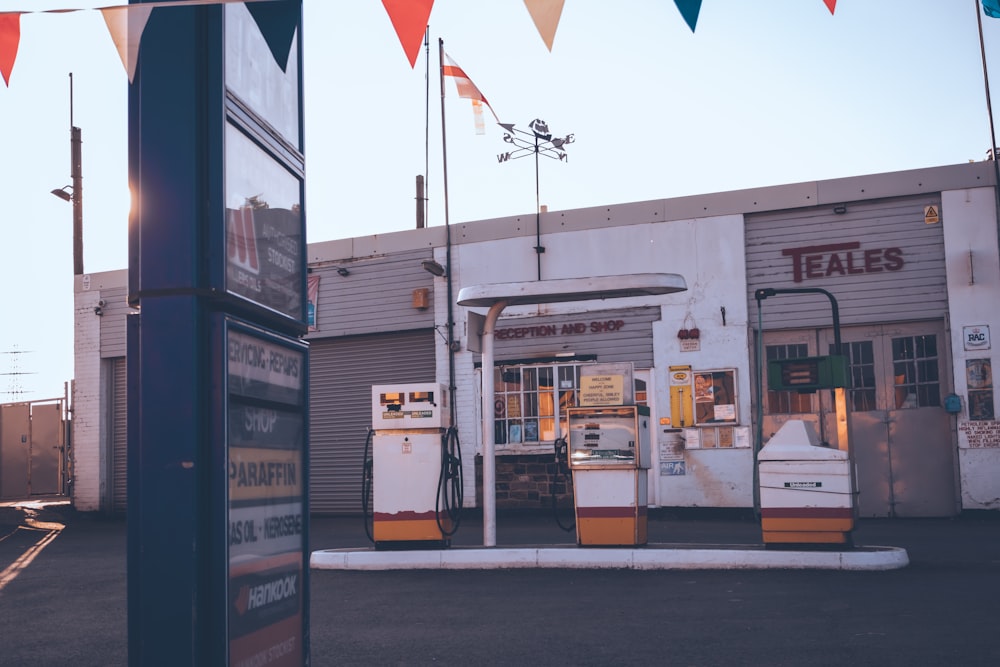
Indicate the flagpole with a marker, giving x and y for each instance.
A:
(989, 111)
(449, 275)
(427, 122)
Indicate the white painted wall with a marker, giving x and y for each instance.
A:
(709, 253)
(89, 427)
(970, 238)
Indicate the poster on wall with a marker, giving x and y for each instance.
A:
(715, 396)
(312, 302)
(979, 382)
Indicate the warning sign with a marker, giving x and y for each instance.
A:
(932, 215)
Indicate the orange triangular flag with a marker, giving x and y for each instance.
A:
(831, 5)
(126, 25)
(409, 18)
(545, 14)
(10, 37)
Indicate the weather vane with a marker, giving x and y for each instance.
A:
(539, 141)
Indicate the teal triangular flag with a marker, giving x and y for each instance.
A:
(689, 10)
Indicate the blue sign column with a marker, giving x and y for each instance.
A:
(218, 375)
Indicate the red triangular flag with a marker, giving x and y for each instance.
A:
(10, 36)
(409, 18)
(831, 5)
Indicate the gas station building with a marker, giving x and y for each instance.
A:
(911, 257)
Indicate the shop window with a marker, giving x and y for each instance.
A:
(787, 402)
(915, 372)
(530, 398)
(861, 368)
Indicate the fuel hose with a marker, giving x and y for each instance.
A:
(448, 507)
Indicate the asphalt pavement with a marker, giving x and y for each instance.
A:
(63, 599)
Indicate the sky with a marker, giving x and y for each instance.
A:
(761, 94)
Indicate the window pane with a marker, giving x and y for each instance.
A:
(545, 377)
(861, 364)
(269, 88)
(530, 404)
(787, 402)
(915, 371)
(531, 430)
(514, 430)
(927, 371)
(529, 378)
(263, 227)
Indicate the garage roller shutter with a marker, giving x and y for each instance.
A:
(342, 372)
(119, 436)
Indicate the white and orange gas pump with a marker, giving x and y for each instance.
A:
(413, 479)
(609, 454)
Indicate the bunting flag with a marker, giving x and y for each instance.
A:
(468, 90)
(10, 37)
(689, 10)
(545, 14)
(992, 8)
(831, 5)
(409, 18)
(126, 25)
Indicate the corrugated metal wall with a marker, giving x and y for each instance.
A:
(632, 342)
(341, 374)
(916, 291)
(119, 435)
(374, 297)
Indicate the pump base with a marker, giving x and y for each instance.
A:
(807, 525)
(409, 527)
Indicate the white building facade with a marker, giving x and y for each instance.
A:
(910, 257)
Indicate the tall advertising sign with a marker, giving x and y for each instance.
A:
(266, 388)
(217, 371)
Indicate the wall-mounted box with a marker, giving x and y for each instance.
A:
(807, 374)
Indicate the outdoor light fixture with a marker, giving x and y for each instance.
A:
(62, 194)
(430, 266)
(343, 272)
(840, 210)
(74, 193)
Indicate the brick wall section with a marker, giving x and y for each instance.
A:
(85, 455)
(526, 482)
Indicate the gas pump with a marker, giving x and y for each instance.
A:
(609, 454)
(414, 473)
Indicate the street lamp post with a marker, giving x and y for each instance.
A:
(75, 193)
